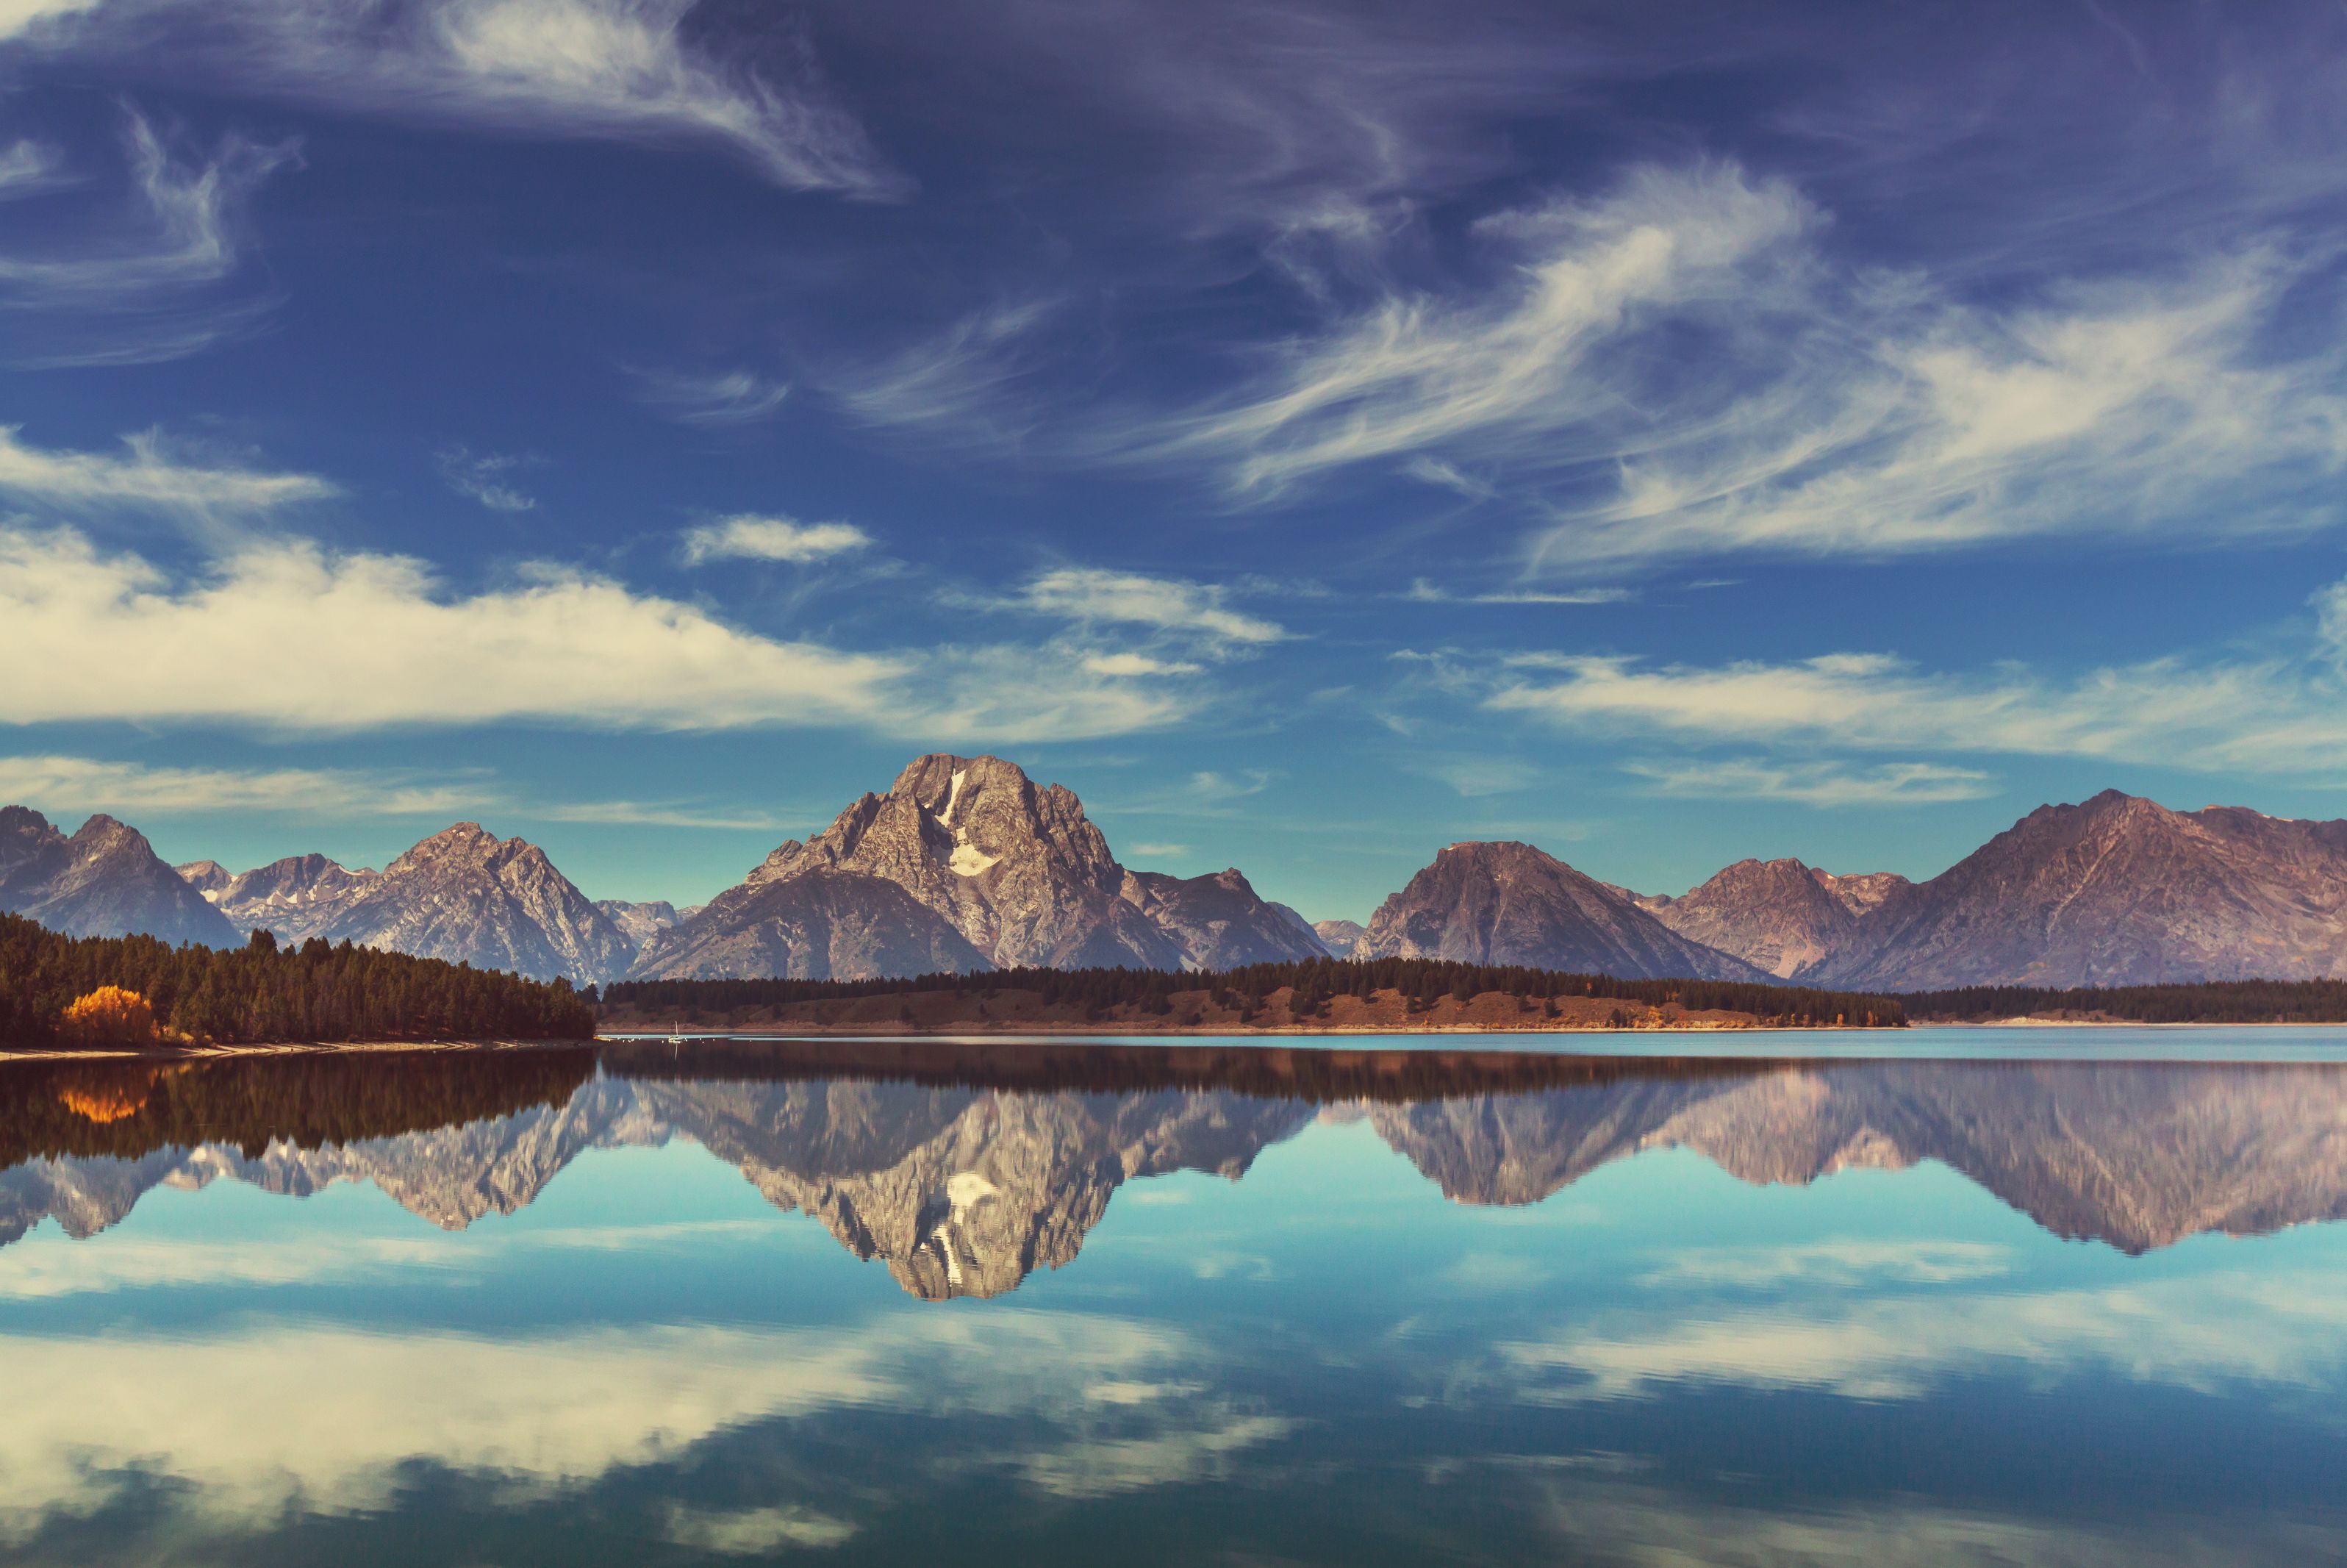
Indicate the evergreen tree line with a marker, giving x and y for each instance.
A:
(259, 993)
(1421, 982)
(2204, 1001)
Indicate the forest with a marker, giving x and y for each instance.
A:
(1419, 980)
(2199, 1001)
(262, 993)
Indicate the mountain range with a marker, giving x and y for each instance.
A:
(965, 1190)
(965, 864)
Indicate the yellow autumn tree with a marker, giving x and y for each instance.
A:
(110, 1016)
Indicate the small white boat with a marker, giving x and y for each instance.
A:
(674, 1036)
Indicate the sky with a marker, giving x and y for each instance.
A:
(1315, 434)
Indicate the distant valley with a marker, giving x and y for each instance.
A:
(966, 864)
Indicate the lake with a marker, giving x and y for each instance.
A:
(1183, 1302)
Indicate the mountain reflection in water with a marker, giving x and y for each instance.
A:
(964, 1169)
(1331, 1307)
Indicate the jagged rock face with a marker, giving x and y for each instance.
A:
(1019, 872)
(639, 923)
(1775, 914)
(1863, 892)
(814, 925)
(1220, 920)
(469, 896)
(1341, 938)
(2116, 891)
(295, 897)
(1510, 904)
(105, 881)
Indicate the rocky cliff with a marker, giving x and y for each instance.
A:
(1775, 915)
(1510, 904)
(469, 896)
(1019, 873)
(105, 881)
(2118, 890)
(297, 897)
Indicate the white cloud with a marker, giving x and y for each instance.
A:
(618, 69)
(63, 784)
(961, 384)
(18, 17)
(147, 475)
(1842, 1264)
(748, 538)
(284, 634)
(1682, 368)
(755, 1531)
(2236, 716)
(26, 167)
(484, 479)
(726, 398)
(2197, 1334)
(1416, 371)
(1825, 784)
(153, 290)
(86, 783)
(1424, 592)
(1137, 664)
(1090, 596)
(228, 1418)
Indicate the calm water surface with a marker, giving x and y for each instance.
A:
(1051, 1304)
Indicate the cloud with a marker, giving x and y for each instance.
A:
(18, 17)
(611, 69)
(2238, 716)
(63, 783)
(754, 1532)
(224, 1416)
(481, 479)
(28, 167)
(1425, 592)
(748, 537)
(1818, 784)
(1092, 595)
(1476, 777)
(86, 783)
(1845, 1264)
(284, 634)
(1167, 851)
(1681, 366)
(153, 289)
(1137, 664)
(2196, 1334)
(1416, 370)
(726, 398)
(962, 384)
(147, 476)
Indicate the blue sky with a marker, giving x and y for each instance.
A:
(1313, 433)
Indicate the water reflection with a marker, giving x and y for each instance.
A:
(1329, 1307)
(965, 1172)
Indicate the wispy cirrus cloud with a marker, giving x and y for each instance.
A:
(611, 69)
(1825, 784)
(1681, 366)
(156, 285)
(150, 474)
(2244, 715)
(1091, 596)
(486, 478)
(721, 397)
(751, 538)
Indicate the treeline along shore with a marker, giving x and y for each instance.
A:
(1327, 996)
(137, 991)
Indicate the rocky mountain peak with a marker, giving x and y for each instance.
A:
(464, 841)
(1775, 914)
(208, 877)
(1508, 903)
(105, 881)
